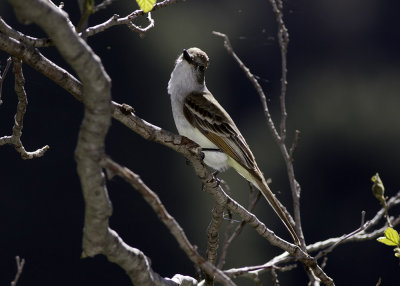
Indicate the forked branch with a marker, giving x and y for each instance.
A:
(15, 138)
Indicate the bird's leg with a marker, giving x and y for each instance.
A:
(215, 173)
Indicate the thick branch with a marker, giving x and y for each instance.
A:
(37, 61)
(31, 41)
(154, 201)
(97, 238)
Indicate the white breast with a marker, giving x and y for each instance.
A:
(182, 83)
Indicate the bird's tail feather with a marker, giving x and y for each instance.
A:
(273, 201)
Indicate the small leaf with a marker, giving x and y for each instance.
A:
(146, 5)
(377, 188)
(386, 241)
(392, 235)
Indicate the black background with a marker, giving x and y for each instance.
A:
(343, 95)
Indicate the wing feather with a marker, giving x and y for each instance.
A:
(206, 114)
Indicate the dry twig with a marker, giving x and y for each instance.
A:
(128, 21)
(295, 187)
(20, 268)
(254, 197)
(3, 76)
(15, 138)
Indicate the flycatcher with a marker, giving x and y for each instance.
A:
(200, 117)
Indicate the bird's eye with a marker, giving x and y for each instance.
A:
(201, 67)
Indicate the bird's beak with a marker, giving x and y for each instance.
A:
(186, 56)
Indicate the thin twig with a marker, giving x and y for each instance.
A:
(155, 203)
(127, 20)
(294, 145)
(254, 197)
(294, 185)
(363, 226)
(142, 31)
(361, 235)
(90, 31)
(275, 279)
(251, 271)
(20, 267)
(15, 138)
(283, 39)
(253, 80)
(103, 5)
(3, 76)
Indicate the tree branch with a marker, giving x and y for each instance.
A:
(15, 138)
(20, 268)
(254, 197)
(326, 244)
(3, 76)
(283, 39)
(213, 238)
(31, 41)
(154, 201)
(295, 187)
(128, 21)
(97, 237)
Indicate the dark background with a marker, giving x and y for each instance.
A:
(343, 95)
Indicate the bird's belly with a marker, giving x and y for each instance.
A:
(214, 158)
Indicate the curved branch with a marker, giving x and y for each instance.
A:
(31, 41)
(127, 20)
(15, 138)
(154, 201)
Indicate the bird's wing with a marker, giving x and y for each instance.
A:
(204, 112)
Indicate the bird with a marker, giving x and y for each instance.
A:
(199, 117)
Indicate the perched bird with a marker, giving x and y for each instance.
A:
(200, 117)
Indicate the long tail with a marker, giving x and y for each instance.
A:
(255, 176)
(273, 201)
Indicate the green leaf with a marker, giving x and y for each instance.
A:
(386, 241)
(146, 5)
(391, 237)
